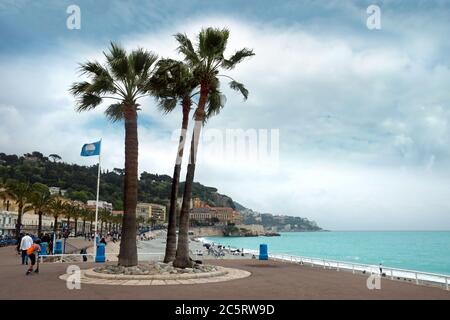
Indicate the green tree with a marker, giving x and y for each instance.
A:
(205, 61)
(70, 211)
(20, 192)
(57, 209)
(76, 215)
(55, 157)
(39, 200)
(125, 78)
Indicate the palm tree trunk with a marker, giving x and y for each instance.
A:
(128, 249)
(19, 220)
(84, 227)
(76, 226)
(182, 256)
(55, 228)
(39, 223)
(171, 243)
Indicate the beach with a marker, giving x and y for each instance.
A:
(154, 248)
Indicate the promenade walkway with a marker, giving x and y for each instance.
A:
(269, 280)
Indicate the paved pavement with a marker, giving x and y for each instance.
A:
(269, 280)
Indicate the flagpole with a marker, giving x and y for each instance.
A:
(96, 203)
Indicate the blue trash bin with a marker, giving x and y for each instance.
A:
(100, 256)
(58, 246)
(44, 246)
(263, 252)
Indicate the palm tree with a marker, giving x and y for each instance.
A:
(57, 209)
(104, 216)
(124, 79)
(173, 82)
(85, 215)
(205, 61)
(20, 192)
(76, 215)
(91, 220)
(70, 212)
(39, 201)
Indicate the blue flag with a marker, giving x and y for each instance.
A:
(91, 149)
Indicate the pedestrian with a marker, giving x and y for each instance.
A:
(31, 252)
(25, 243)
(83, 252)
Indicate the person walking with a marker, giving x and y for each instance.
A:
(25, 243)
(31, 252)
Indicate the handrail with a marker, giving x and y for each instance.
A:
(362, 265)
(411, 274)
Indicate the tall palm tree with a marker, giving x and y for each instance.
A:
(20, 192)
(39, 201)
(206, 60)
(124, 79)
(57, 208)
(174, 82)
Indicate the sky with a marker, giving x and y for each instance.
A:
(359, 117)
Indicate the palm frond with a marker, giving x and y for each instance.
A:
(212, 42)
(92, 69)
(236, 58)
(239, 87)
(88, 101)
(141, 61)
(187, 49)
(79, 88)
(118, 61)
(216, 101)
(166, 105)
(102, 85)
(114, 112)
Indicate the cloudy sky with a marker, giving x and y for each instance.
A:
(362, 116)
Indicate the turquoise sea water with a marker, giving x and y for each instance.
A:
(427, 251)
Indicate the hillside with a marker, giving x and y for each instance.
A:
(81, 182)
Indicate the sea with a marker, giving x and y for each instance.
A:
(426, 251)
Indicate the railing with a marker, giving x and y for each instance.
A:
(90, 256)
(392, 273)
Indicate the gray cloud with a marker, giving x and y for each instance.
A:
(363, 120)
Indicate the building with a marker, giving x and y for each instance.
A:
(151, 211)
(8, 220)
(214, 215)
(203, 215)
(57, 191)
(101, 205)
(117, 213)
(198, 203)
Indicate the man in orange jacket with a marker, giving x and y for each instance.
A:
(32, 255)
